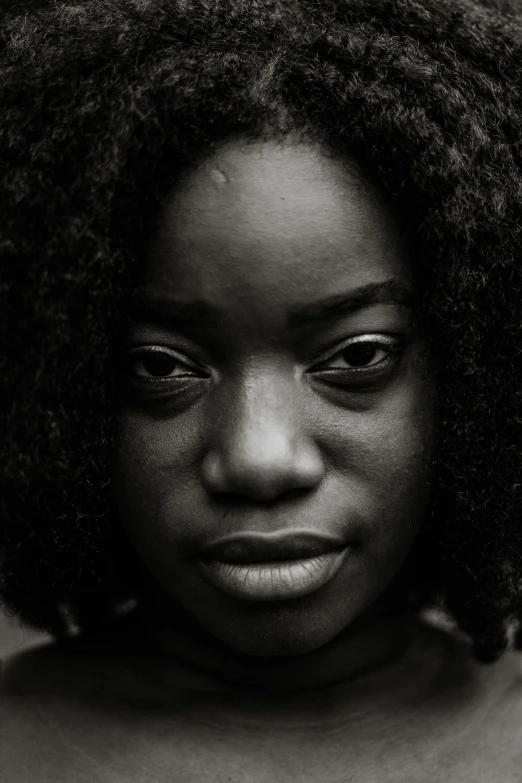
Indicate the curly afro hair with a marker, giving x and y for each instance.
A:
(104, 102)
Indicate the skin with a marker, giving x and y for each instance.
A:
(341, 685)
(260, 423)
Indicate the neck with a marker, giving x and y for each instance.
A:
(368, 645)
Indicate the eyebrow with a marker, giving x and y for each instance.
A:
(169, 313)
(204, 317)
(390, 291)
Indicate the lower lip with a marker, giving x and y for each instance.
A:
(276, 580)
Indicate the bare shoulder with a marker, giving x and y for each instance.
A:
(24, 735)
(47, 711)
(40, 674)
(17, 667)
(506, 702)
(62, 719)
(495, 729)
(484, 717)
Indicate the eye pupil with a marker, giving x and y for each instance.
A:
(359, 354)
(158, 364)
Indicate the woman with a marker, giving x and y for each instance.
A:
(261, 266)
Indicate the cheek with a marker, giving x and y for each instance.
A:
(400, 453)
(155, 469)
(398, 469)
(383, 456)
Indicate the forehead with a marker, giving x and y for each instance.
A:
(281, 221)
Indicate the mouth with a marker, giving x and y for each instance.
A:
(268, 567)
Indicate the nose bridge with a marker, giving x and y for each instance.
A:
(260, 444)
(264, 416)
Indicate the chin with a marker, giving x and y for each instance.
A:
(278, 633)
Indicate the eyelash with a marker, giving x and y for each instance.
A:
(160, 353)
(356, 375)
(391, 346)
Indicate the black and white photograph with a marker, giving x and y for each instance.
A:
(261, 362)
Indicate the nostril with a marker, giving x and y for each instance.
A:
(239, 500)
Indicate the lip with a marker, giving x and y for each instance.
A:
(272, 567)
(254, 547)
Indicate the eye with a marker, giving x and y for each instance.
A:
(158, 363)
(359, 354)
(362, 358)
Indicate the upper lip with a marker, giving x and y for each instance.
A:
(252, 547)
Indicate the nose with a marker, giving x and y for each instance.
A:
(259, 446)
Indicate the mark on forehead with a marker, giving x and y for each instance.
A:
(218, 177)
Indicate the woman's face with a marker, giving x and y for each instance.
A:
(275, 435)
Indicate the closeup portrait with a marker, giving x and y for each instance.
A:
(261, 440)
